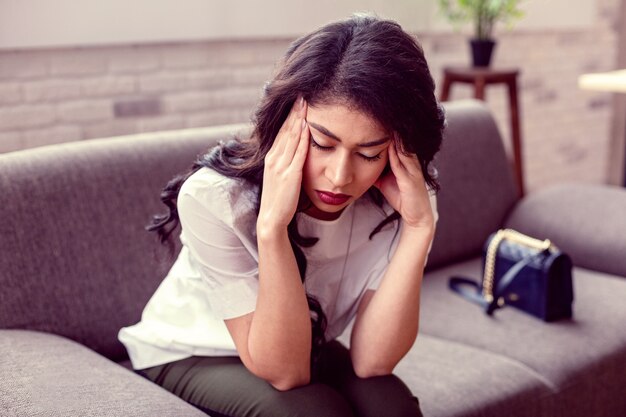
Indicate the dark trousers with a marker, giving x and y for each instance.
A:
(223, 387)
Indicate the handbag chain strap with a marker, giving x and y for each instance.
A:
(492, 250)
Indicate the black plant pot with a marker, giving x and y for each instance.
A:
(482, 50)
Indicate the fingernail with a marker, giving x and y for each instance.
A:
(301, 102)
(303, 123)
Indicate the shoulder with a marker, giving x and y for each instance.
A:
(207, 192)
(206, 181)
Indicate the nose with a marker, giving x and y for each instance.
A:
(339, 171)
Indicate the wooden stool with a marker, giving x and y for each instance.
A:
(480, 78)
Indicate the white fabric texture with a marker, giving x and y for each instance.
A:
(215, 276)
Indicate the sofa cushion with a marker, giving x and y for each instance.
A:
(477, 187)
(582, 355)
(569, 214)
(48, 375)
(76, 259)
(452, 379)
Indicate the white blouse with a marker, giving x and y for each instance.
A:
(215, 276)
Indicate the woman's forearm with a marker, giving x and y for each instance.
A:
(274, 342)
(279, 341)
(387, 327)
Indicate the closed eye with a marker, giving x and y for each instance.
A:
(320, 147)
(371, 158)
(330, 148)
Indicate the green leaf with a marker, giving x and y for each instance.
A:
(484, 14)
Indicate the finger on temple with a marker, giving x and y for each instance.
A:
(299, 115)
(412, 164)
(287, 128)
(408, 160)
(303, 106)
(394, 160)
(296, 112)
(303, 147)
(293, 138)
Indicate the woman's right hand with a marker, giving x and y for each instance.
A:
(274, 341)
(282, 175)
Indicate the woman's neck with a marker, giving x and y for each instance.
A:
(323, 215)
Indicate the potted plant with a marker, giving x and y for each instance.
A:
(484, 14)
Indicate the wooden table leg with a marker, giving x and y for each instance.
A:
(445, 88)
(481, 78)
(479, 89)
(516, 136)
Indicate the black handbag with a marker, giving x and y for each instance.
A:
(529, 274)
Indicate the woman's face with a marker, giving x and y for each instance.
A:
(347, 154)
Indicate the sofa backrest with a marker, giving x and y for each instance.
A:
(75, 258)
(477, 186)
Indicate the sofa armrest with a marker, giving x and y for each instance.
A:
(45, 374)
(588, 222)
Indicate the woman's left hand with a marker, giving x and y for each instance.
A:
(405, 190)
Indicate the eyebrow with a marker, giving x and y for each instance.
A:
(330, 134)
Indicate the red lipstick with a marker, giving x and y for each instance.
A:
(331, 198)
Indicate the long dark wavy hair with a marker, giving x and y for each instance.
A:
(365, 62)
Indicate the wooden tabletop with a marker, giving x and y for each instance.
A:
(488, 73)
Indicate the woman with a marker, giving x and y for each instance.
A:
(322, 216)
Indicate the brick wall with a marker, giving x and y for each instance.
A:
(50, 96)
(58, 95)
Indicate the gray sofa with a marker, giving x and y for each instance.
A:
(76, 265)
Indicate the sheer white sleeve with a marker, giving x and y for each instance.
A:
(225, 263)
